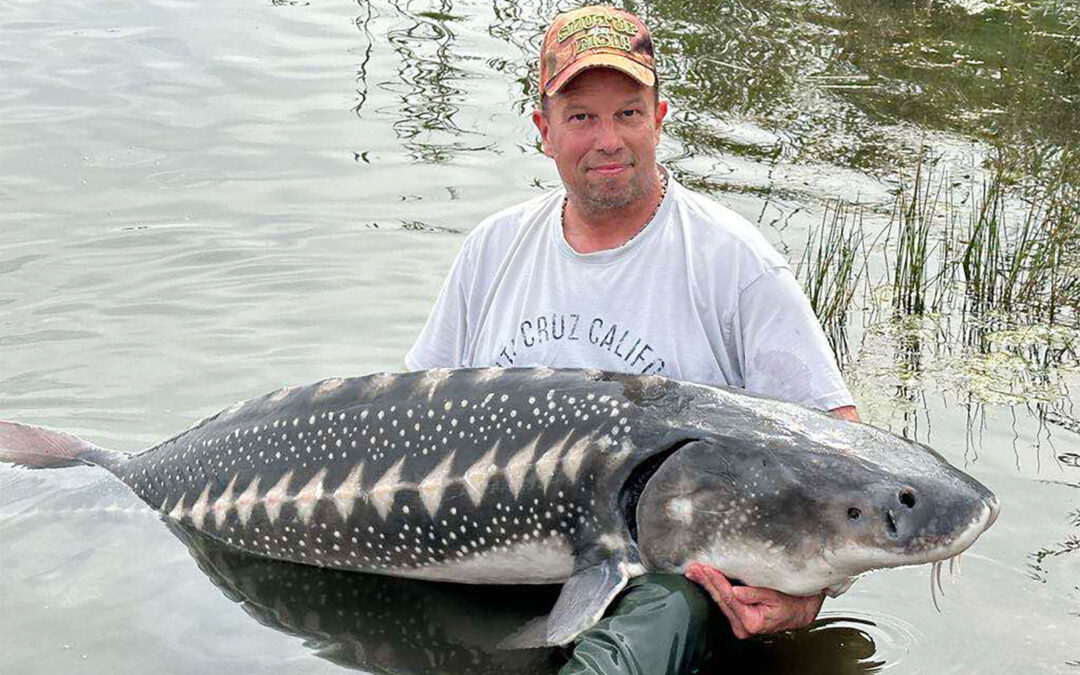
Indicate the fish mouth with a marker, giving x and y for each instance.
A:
(924, 549)
(950, 547)
(989, 517)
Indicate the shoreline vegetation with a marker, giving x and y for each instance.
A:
(982, 273)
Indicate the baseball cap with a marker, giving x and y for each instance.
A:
(591, 37)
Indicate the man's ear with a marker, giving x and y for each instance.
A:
(541, 122)
(658, 119)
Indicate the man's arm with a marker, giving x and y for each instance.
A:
(782, 350)
(846, 412)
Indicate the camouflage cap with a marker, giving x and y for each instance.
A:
(596, 36)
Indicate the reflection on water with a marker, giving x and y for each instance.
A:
(379, 623)
(832, 646)
(387, 624)
(429, 90)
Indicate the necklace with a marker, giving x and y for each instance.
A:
(663, 193)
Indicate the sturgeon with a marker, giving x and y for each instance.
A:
(537, 476)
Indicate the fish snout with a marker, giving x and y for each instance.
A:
(902, 512)
(891, 515)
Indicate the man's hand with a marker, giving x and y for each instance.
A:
(756, 611)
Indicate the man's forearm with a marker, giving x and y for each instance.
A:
(846, 412)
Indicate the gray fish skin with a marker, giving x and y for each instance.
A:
(540, 476)
(475, 476)
(789, 498)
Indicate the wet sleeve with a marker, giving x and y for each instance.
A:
(659, 625)
(784, 351)
(442, 342)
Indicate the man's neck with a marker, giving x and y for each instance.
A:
(591, 231)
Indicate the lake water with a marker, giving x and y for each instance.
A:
(202, 202)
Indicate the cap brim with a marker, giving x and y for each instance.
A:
(606, 59)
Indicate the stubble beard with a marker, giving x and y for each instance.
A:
(604, 197)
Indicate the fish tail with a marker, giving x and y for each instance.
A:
(41, 448)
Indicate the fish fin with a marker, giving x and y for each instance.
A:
(41, 448)
(836, 590)
(582, 602)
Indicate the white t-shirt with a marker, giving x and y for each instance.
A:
(697, 295)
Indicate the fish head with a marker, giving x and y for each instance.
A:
(806, 516)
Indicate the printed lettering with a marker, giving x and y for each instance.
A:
(616, 350)
(558, 329)
(573, 327)
(525, 338)
(593, 20)
(650, 368)
(609, 338)
(641, 355)
(542, 329)
(602, 40)
(596, 323)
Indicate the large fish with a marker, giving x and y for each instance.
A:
(519, 476)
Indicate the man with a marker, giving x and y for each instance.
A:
(626, 270)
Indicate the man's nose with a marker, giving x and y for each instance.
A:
(608, 139)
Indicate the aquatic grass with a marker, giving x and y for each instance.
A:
(1027, 271)
(913, 215)
(982, 273)
(833, 263)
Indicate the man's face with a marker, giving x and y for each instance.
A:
(601, 129)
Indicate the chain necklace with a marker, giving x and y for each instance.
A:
(663, 193)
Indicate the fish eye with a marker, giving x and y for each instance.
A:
(854, 513)
(907, 498)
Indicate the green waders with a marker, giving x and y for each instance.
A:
(659, 625)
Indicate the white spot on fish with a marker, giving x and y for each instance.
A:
(276, 496)
(308, 498)
(349, 491)
(327, 386)
(178, 509)
(224, 503)
(199, 508)
(681, 509)
(231, 410)
(571, 462)
(546, 465)
(433, 379)
(433, 486)
(479, 474)
(280, 394)
(382, 494)
(518, 466)
(381, 381)
(245, 503)
(488, 374)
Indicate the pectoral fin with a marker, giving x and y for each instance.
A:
(582, 602)
(836, 590)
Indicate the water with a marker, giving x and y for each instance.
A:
(202, 202)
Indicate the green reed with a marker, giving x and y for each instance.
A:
(1024, 267)
(916, 207)
(832, 265)
(983, 272)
